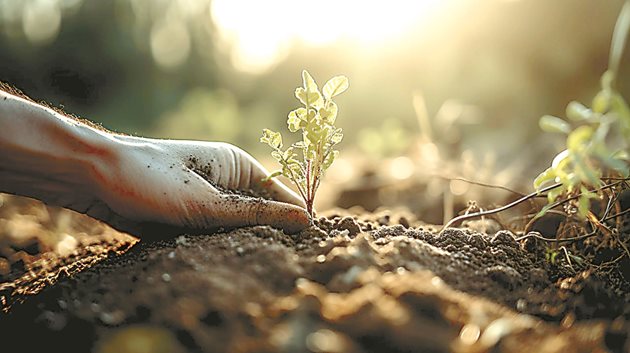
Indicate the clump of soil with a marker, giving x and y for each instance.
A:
(206, 172)
(40, 244)
(369, 283)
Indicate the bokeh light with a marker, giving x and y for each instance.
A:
(260, 32)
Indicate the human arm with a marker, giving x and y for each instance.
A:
(131, 180)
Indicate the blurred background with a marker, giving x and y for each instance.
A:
(439, 89)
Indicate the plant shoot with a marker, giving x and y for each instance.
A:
(306, 161)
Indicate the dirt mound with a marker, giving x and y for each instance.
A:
(368, 285)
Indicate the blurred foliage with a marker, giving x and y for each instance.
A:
(597, 143)
(203, 114)
(389, 139)
(164, 69)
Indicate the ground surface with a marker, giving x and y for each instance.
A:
(368, 283)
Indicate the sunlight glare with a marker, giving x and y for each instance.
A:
(258, 33)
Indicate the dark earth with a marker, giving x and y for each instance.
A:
(374, 282)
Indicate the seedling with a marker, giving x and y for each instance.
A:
(597, 138)
(315, 120)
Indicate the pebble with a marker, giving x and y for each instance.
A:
(62, 304)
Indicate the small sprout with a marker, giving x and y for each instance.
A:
(598, 137)
(306, 161)
(596, 148)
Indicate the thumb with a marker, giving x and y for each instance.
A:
(240, 211)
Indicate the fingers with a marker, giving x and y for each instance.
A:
(240, 211)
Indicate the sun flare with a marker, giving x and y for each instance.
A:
(260, 32)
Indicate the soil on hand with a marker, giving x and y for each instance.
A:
(376, 283)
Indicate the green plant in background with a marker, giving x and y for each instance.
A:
(319, 136)
(597, 138)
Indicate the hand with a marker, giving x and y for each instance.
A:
(130, 182)
(189, 184)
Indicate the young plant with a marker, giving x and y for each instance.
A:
(315, 120)
(597, 138)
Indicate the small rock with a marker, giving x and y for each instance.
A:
(504, 237)
(403, 221)
(66, 246)
(54, 321)
(181, 240)
(349, 224)
(112, 318)
(383, 220)
(505, 275)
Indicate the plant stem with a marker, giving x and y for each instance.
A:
(500, 209)
(299, 187)
(620, 35)
(309, 207)
(308, 180)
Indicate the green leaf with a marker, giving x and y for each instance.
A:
(543, 211)
(313, 134)
(619, 165)
(299, 113)
(329, 113)
(273, 139)
(310, 99)
(308, 82)
(337, 136)
(293, 121)
(576, 111)
(586, 174)
(620, 106)
(579, 137)
(560, 160)
(277, 155)
(576, 259)
(584, 202)
(286, 172)
(310, 152)
(272, 175)
(335, 86)
(309, 94)
(297, 170)
(330, 158)
(602, 101)
(548, 175)
(622, 155)
(552, 256)
(311, 115)
(552, 195)
(289, 155)
(551, 123)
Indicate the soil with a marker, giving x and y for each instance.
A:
(356, 283)
(205, 171)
